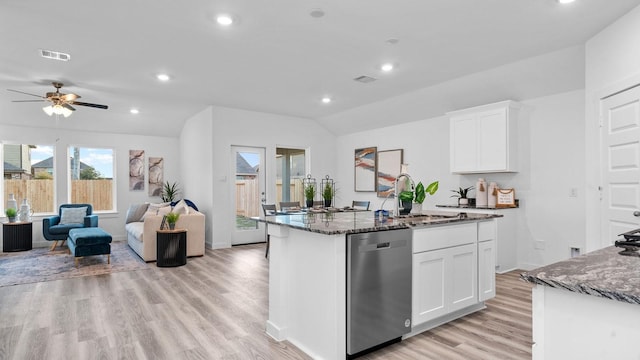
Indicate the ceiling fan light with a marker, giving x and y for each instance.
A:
(48, 110)
(58, 109)
(66, 112)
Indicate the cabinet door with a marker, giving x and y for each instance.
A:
(492, 140)
(463, 279)
(464, 142)
(429, 281)
(486, 268)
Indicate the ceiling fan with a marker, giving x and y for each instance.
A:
(60, 102)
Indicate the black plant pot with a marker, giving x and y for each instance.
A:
(309, 204)
(406, 207)
(327, 203)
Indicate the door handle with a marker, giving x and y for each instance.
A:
(636, 213)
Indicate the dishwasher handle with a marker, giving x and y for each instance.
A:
(386, 245)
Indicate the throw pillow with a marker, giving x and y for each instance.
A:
(136, 212)
(153, 209)
(73, 215)
(181, 208)
(164, 210)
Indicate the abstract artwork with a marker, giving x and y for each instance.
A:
(365, 169)
(156, 176)
(136, 170)
(389, 166)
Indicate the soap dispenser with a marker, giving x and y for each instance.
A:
(481, 193)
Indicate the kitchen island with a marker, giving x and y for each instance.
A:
(308, 268)
(587, 307)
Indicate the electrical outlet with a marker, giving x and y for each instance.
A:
(573, 192)
(539, 245)
(575, 252)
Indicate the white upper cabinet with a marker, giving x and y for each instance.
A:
(483, 138)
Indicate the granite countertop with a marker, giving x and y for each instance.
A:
(603, 273)
(473, 206)
(366, 221)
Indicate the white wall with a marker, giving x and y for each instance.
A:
(550, 141)
(612, 65)
(246, 128)
(196, 164)
(112, 222)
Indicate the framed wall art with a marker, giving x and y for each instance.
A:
(365, 169)
(156, 176)
(389, 166)
(136, 170)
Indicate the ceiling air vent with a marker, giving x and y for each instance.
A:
(365, 79)
(55, 55)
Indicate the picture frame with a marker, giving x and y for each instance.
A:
(136, 170)
(505, 198)
(364, 169)
(389, 166)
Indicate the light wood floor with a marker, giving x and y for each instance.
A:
(215, 307)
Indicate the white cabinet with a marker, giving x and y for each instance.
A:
(486, 260)
(483, 138)
(445, 271)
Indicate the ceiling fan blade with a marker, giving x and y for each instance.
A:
(26, 93)
(70, 97)
(89, 104)
(28, 100)
(65, 105)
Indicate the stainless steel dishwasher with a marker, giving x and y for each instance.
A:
(378, 289)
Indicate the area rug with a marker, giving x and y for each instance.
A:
(40, 264)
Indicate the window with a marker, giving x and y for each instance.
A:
(29, 174)
(290, 170)
(91, 177)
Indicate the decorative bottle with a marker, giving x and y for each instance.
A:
(12, 203)
(492, 194)
(481, 193)
(25, 211)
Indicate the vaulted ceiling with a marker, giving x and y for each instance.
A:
(275, 58)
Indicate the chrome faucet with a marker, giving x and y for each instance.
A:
(395, 191)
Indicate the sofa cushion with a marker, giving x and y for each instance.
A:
(153, 209)
(136, 212)
(73, 215)
(136, 229)
(64, 228)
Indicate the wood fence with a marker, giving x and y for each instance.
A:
(40, 193)
(248, 196)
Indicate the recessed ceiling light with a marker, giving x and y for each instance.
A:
(317, 13)
(326, 100)
(134, 111)
(566, 1)
(386, 67)
(163, 77)
(224, 20)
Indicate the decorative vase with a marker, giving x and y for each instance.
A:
(309, 203)
(492, 194)
(25, 211)
(12, 203)
(172, 226)
(417, 208)
(327, 203)
(406, 207)
(463, 201)
(481, 193)
(12, 219)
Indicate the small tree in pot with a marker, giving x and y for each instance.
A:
(172, 218)
(461, 194)
(11, 214)
(309, 194)
(327, 194)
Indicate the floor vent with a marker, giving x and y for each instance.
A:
(49, 54)
(365, 79)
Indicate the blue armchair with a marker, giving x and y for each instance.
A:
(70, 216)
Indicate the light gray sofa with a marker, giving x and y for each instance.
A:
(144, 219)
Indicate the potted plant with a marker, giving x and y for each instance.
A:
(421, 193)
(170, 192)
(461, 194)
(309, 194)
(172, 218)
(11, 214)
(327, 194)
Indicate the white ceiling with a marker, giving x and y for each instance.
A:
(276, 59)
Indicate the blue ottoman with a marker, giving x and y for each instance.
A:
(89, 241)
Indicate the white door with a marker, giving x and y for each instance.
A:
(620, 131)
(248, 194)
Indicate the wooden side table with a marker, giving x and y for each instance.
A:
(171, 247)
(17, 236)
